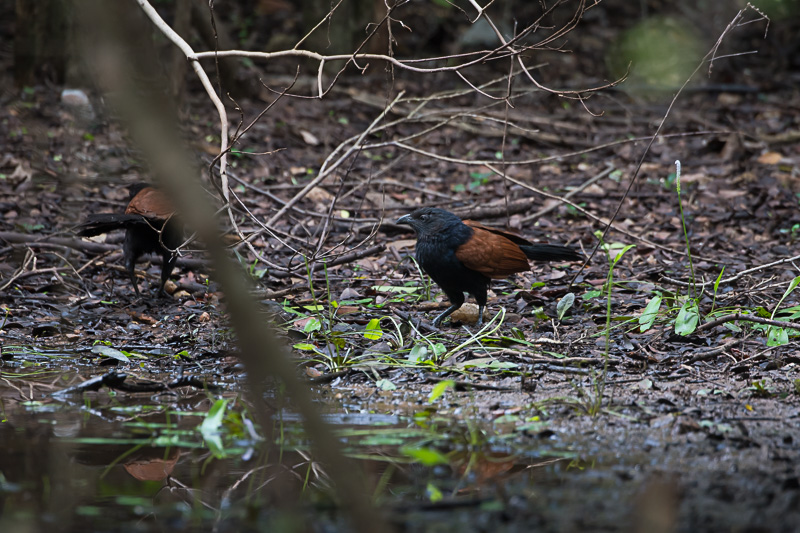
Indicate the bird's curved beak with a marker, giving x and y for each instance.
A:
(405, 219)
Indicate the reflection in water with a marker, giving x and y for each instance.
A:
(139, 462)
(100, 465)
(153, 468)
(103, 462)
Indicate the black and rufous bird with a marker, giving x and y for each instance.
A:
(150, 227)
(464, 256)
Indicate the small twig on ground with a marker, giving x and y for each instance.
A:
(752, 359)
(679, 283)
(712, 353)
(271, 295)
(536, 358)
(564, 369)
(747, 318)
(419, 324)
(330, 376)
(116, 381)
(349, 257)
(739, 275)
(49, 240)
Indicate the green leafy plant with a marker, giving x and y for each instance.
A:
(763, 388)
(477, 180)
(716, 288)
(650, 313)
(688, 317)
(689, 314)
(564, 305)
(778, 336)
(793, 232)
(614, 253)
(683, 225)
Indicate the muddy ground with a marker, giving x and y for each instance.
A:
(694, 432)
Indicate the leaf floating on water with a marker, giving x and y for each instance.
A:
(108, 351)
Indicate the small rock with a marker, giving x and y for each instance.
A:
(79, 101)
(468, 314)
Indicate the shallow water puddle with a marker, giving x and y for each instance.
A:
(187, 460)
(190, 460)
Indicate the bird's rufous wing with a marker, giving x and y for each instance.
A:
(516, 239)
(492, 253)
(150, 203)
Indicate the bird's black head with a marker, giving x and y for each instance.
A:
(136, 188)
(430, 220)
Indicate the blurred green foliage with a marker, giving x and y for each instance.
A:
(778, 9)
(661, 51)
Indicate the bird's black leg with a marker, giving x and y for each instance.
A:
(130, 264)
(479, 323)
(447, 312)
(456, 301)
(480, 298)
(131, 250)
(168, 260)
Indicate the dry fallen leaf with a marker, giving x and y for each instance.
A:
(770, 158)
(309, 138)
(318, 194)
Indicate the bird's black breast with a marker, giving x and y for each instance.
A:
(436, 254)
(436, 251)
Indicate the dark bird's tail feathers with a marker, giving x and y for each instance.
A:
(550, 252)
(99, 223)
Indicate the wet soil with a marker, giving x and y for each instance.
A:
(549, 424)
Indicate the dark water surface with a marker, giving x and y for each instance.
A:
(106, 461)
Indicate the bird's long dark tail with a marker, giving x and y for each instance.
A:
(551, 252)
(98, 223)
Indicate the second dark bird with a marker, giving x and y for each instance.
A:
(464, 256)
(150, 227)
